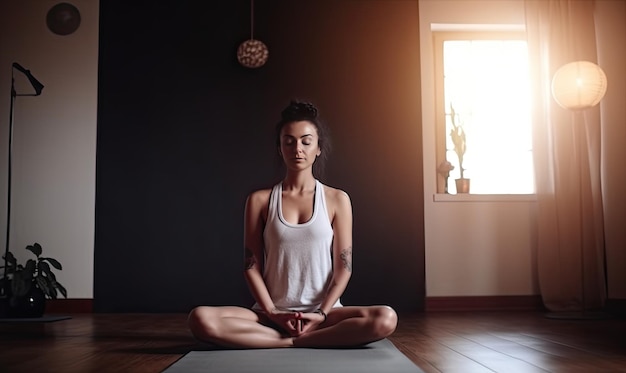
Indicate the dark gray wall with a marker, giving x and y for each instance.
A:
(185, 133)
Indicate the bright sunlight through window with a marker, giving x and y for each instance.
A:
(484, 79)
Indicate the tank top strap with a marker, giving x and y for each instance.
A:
(275, 195)
(320, 201)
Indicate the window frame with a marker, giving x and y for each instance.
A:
(438, 37)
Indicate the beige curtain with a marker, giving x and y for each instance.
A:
(566, 148)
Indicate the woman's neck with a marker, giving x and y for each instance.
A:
(299, 181)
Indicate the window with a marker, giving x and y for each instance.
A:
(483, 78)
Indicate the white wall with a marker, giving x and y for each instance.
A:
(474, 246)
(54, 138)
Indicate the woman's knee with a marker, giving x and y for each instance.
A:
(196, 315)
(385, 321)
(201, 322)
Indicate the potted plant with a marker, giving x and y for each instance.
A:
(457, 133)
(28, 286)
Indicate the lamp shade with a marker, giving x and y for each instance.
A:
(579, 85)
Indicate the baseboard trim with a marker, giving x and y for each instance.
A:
(432, 304)
(57, 306)
(485, 303)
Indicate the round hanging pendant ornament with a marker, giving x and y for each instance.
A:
(63, 19)
(252, 53)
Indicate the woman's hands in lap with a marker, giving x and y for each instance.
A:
(296, 323)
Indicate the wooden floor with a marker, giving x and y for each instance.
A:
(464, 342)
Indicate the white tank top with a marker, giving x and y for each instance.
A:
(298, 262)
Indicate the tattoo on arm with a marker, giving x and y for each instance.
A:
(346, 258)
(249, 259)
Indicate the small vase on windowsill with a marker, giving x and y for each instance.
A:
(462, 185)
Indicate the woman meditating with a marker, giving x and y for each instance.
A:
(297, 257)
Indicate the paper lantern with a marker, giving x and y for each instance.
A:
(579, 85)
(252, 53)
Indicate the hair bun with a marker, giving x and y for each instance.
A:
(299, 111)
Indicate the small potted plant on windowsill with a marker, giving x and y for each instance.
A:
(457, 133)
(26, 287)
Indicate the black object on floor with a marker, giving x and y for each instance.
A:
(44, 318)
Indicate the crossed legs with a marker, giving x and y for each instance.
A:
(238, 327)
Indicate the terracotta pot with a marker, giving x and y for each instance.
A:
(462, 186)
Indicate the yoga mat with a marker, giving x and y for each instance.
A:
(377, 357)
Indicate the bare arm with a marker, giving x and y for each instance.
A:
(342, 249)
(253, 248)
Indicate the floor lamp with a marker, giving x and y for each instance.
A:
(578, 86)
(37, 87)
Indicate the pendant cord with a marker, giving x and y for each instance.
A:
(252, 19)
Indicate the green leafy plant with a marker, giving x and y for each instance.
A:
(36, 272)
(457, 133)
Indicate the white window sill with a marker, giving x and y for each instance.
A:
(484, 197)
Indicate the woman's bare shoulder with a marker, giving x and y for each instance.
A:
(261, 196)
(257, 204)
(336, 196)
